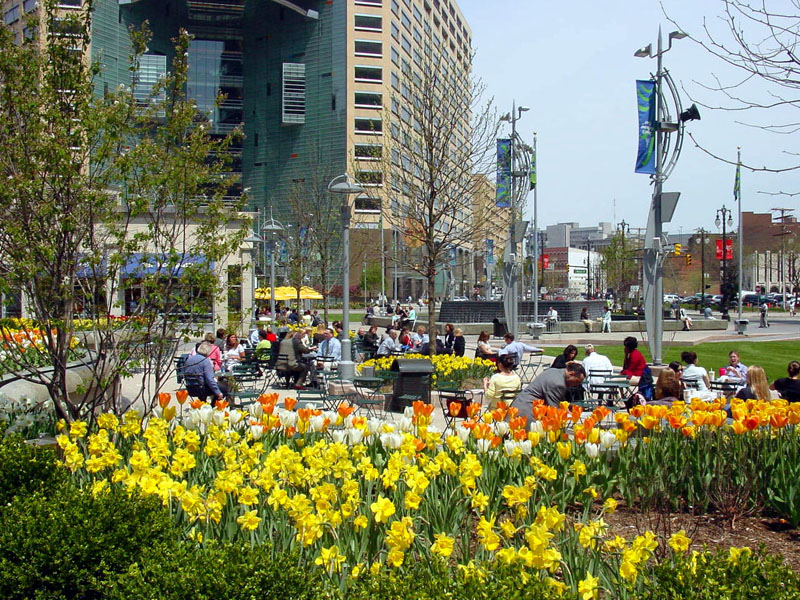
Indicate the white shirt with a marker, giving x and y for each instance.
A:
(552, 314)
(695, 373)
(596, 362)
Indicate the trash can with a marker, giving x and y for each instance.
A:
(741, 326)
(412, 383)
(535, 329)
(500, 328)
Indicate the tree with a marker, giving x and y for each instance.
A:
(760, 44)
(97, 188)
(428, 160)
(620, 265)
(319, 223)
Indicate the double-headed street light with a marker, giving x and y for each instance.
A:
(345, 185)
(270, 231)
(724, 217)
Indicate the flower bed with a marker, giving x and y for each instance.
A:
(446, 367)
(356, 496)
(23, 345)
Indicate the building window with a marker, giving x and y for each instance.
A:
(294, 93)
(395, 7)
(417, 14)
(234, 288)
(395, 32)
(368, 151)
(406, 21)
(369, 126)
(11, 15)
(369, 48)
(29, 5)
(369, 23)
(405, 44)
(369, 2)
(395, 56)
(370, 178)
(395, 81)
(367, 204)
(69, 3)
(369, 74)
(369, 100)
(152, 69)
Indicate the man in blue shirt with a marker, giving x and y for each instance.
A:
(516, 348)
(198, 375)
(330, 347)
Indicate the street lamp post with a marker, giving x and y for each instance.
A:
(702, 241)
(662, 205)
(345, 185)
(724, 217)
(270, 231)
(623, 228)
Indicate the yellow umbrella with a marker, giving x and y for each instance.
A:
(309, 293)
(281, 293)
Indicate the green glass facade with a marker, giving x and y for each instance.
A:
(239, 49)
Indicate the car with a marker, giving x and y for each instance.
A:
(460, 299)
(670, 298)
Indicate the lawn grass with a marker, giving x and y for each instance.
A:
(772, 356)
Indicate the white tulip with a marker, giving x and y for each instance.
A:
(355, 436)
(257, 430)
(592, 450)
(484, 446)
(339, 435)
(391, 441)
(405, 424)
(462, 432)
(218, 417)
(526, 447)
(408, 412)
(607, 439)
(235, 417)
(287, 418)
(536, 427)
(256, 410)
(206, 411)
(500, 428)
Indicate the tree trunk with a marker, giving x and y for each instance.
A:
(432, 315)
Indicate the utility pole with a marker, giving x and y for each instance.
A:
(784, 218)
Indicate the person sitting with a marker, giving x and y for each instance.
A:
(234, 351)
(569, 354)
(551, 319)
(757, 387)
(587, 322)
(634, 364)
(516, 348)
(553, 386)
(419, 338)
(707, 313)
(198, 375)
(215, 356)
(694, 374)
(290, 353)
(594, 361)
(504, 380)
(685, 319)
(484, 349)
(459, 343)
(330, 349)
(448, 337)
(677, 368)
(735, 369)
(404, 338)
(219, 341)
(789, 387)
(389, 344)
(668, 388)
(264, 347)
(370, 341)
(425, 349)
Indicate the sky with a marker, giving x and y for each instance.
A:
(572, 63)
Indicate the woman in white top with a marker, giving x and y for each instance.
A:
(505, 379)
(693, 373)
(234, 351)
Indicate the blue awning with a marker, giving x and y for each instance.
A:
(141, 264)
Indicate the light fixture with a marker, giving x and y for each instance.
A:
(717, 222)
(690, 114)
(644, 52)
(677, 35)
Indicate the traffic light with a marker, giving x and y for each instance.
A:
(677, 249)
(688, 260)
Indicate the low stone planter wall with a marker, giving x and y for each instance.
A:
(79, 375)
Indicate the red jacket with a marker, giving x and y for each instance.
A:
(634, 364)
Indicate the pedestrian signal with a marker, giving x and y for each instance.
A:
(677, 249)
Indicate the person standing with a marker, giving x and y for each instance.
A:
(764, 315)
(606, 326)
(459, 343)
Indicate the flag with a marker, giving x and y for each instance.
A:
(503, 182)
(646, 101)
(737, 183)
(533, 169)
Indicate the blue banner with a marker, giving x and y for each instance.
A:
(490, 251)
(646, 104)
(503, 183)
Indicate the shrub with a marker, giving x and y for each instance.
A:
(25, 469)
(64, 545)
(724, 575)
(184, 571)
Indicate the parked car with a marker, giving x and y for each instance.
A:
(756, 300)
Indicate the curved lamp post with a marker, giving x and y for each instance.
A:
(663, 204)
(345, 185)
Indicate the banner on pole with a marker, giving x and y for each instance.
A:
(489, 251)
(533, 168)
(737, 183)
(503, 183)
(728, 249)
(646, 104)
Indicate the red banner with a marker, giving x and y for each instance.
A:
(545, 261)
(728, 249)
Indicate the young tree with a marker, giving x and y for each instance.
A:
(619, 264)
(97, 188)
(429, 157)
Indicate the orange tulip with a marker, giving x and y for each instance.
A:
(221, 405)
(196, 403)
(289, 403)
(345, 409)
(163, 399)
(304, 414)
(518, 422)
(420, 445)
(181, 395)
(751, 422)
(496, 441)
(738, 427)
(637, 411)
(778, 420)
(473, 408)
(455, 408)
